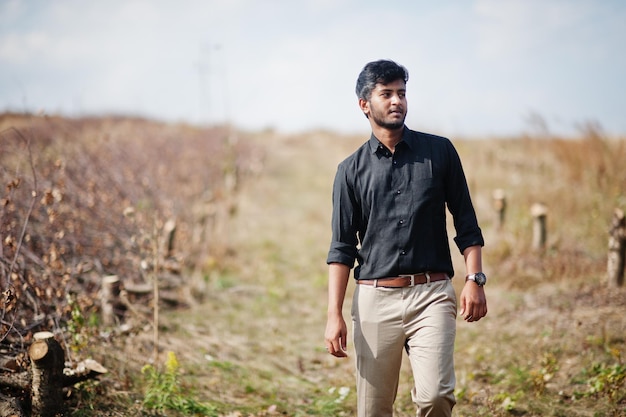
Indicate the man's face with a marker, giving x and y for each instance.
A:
(387, 105)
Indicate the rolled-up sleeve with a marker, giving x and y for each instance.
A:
(343, 246)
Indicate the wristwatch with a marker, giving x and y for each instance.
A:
(479, 278)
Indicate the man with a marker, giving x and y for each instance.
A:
(389, 215)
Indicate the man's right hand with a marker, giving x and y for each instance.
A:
(336, 331)
(336, 335)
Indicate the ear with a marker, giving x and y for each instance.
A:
(365, 107)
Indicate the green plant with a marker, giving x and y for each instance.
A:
(163, 391)
(79, 327)
(606, 381)
(543, 375)
(85, 394)
(330, 404)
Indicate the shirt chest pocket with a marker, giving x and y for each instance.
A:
(384, 191)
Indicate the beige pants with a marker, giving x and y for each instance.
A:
(420, 320)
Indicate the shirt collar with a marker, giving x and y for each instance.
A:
(407, 138)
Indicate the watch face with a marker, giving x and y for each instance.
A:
(480, 278)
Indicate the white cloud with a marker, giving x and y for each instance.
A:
(475, 66)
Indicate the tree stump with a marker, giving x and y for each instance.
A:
(170, 233)
(617, 249)
(109, 298)
(47, 360)
(499, 205)
(539, 211)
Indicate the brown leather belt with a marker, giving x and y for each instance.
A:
(408, 280)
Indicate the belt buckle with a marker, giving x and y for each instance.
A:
(412, 276)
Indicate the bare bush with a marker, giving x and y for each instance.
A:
(87, 198)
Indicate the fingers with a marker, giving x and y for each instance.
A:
(337, 352)
(474, 312)
(335, 337)
(336, 346)
(471, 318)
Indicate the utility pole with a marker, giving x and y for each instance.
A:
(204, 68)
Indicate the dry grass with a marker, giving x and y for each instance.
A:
(553, 343)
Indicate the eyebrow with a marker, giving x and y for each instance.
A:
(391, 89)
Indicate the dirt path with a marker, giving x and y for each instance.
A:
(268, 313)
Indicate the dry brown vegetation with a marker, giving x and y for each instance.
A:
(246, 318)
(88, 198)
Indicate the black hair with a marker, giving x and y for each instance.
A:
(379, 72)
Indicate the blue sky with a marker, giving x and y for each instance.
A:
(477, 67)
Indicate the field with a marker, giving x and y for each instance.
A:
(248, 338)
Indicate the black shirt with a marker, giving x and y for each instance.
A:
(389, 209)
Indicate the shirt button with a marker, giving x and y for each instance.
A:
(401, 222)
(402, 252)
(398, 192)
